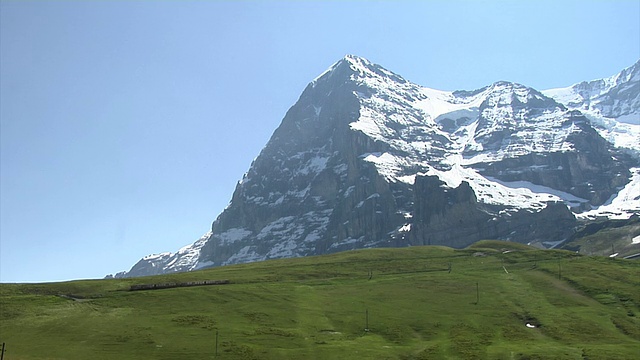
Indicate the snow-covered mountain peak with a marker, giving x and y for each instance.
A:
(504, 93)
(355, 68)
(615, 97)
(577, 94)
(599, 87)
(365, 158)
(364, 68)
(356, 61)
(632, 73)
(612, 105)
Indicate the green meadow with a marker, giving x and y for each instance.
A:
(494, 300)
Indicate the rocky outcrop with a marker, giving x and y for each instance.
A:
(454, 217)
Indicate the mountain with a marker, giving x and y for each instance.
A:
(612, 104)
(365, 158)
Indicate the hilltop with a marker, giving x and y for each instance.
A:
(493, 300)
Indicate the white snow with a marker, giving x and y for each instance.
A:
(564, 95)
(203, 264)
(244, 255)
(187, 257)
(314, 165)
(437, 103)
(623, 205)
(184, 259)
(489, 191)
(636, 240)
(552, 244)
(617, 122)
(232, 235)
(294, 235)
(569, 199)
(158, 256)
(388, 165)
(340, 169)
(300, 194)
(313, 236)
(283, 249)
(405, 116)
(361, 203)
(278, 227)
(620, 134)
(347, 241)
(349, 191)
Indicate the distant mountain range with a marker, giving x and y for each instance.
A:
(366, 158)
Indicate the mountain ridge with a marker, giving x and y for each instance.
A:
(343, 170)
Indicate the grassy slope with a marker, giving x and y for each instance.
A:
(315, 308)
(609, 240)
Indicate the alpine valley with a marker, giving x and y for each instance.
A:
(366, 159)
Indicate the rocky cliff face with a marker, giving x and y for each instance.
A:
(454, 217)
(586, 171)
(368, 159)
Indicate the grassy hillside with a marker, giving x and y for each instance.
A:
(412, 303)
(606, 238)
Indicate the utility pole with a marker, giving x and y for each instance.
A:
(216, 343)
(2, 354)
(366, 315)
(477, 293)
(559, 271)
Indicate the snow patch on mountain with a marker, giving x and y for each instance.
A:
(234, 234)
(187, 257)
(246, 254)
(436, 103)
(515, 195)
(157, 257)
(622, 205)
(546, 193)
(625, 135)
(314, 165)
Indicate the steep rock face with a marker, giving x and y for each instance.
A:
(308, 190)
(447, 216)
(365, 158)
(454, 217)
(587, 171)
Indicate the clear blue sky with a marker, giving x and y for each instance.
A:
(126, 125)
